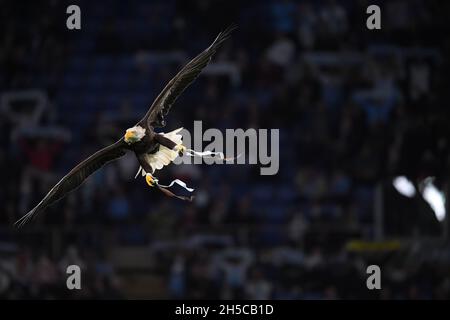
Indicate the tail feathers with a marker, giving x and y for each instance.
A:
(28, 217)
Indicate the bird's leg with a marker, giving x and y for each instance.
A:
(151, 180)
(180, 149)
(170, 144)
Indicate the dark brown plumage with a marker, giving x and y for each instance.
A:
(183, 79)
(148, 144)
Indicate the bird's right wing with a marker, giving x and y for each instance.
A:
(76, 177)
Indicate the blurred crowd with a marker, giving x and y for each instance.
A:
(354, 107)
(28, 274)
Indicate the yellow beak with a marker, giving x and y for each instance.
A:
(129, 135)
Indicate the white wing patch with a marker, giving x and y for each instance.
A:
(164, 156)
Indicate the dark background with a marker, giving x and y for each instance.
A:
(355, 109)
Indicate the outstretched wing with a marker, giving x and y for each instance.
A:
(184, 78)
(76, 176)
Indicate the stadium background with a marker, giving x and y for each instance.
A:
(355, 109)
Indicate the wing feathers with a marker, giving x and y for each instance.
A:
(76, 177)
(184, 78)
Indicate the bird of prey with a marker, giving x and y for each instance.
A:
(153, 150)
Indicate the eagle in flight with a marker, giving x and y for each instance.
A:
(153, 150)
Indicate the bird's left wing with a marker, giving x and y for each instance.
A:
(184, 78)
(76, 177)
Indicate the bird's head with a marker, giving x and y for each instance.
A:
(134, 134)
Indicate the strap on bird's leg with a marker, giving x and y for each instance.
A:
(153, 181)
(171, 194)
(210, 154)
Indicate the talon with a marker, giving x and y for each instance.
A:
(180, 149)
(150, 180)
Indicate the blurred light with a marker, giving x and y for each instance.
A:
(434, 197)
(404, 186)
